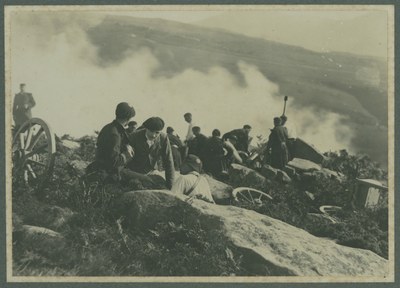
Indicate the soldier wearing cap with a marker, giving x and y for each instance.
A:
(113, 151)
(132, 127)
(23, 104)
(276, 147)
(150, 146)
(191, 183)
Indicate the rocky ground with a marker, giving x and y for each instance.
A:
(93, 229)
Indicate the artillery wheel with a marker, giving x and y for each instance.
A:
(33, 153)
(250, 195)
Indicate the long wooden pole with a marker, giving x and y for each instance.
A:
(284, 106)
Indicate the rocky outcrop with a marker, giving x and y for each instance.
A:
(219, 190)
(266, 246)
(242, 176)
(70, 144)
(306, 151)
(269, 172)
(272, 173)
(39, 239)
(302, 165)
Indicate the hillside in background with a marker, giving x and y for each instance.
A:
(350, 85)
(356, 32)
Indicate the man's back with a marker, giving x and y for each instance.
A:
(110, 144)
(242, 139)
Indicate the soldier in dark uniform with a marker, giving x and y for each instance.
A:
(276, 146)
(197, 145)
(23, 104)
(113, 151)
(150, 146)
(242, 136)
(214, 154)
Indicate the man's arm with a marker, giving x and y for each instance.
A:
(168, 162)
(189, 134)
(116, 158)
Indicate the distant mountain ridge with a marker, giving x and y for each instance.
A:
(350, 85)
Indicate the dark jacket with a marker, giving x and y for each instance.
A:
(145, 157)
(214, 156)
(198, 146)
(277, 144)
(20, 113)
(111, 143)
(242, 139)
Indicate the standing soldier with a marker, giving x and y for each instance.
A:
(23, 104)
(277, 145)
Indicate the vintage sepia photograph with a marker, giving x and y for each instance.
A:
(200, 143)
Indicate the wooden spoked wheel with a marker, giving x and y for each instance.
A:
(33, 153)
(250, 195)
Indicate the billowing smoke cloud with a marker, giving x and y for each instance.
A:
(76, 96)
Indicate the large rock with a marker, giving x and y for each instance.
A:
(39, 241)
(303, 165)
(283, 177)
(266, 246)
(269, 172)
(242, 176)
(327, 173)
(39, 238)
(219, 190)
(70, 144)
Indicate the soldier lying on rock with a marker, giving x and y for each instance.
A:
(191, 182)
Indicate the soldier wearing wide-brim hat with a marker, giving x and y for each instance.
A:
(150, 146)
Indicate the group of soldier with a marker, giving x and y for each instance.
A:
(126, 152)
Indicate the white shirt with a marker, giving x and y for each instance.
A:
(185, 182)
(190, 134)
